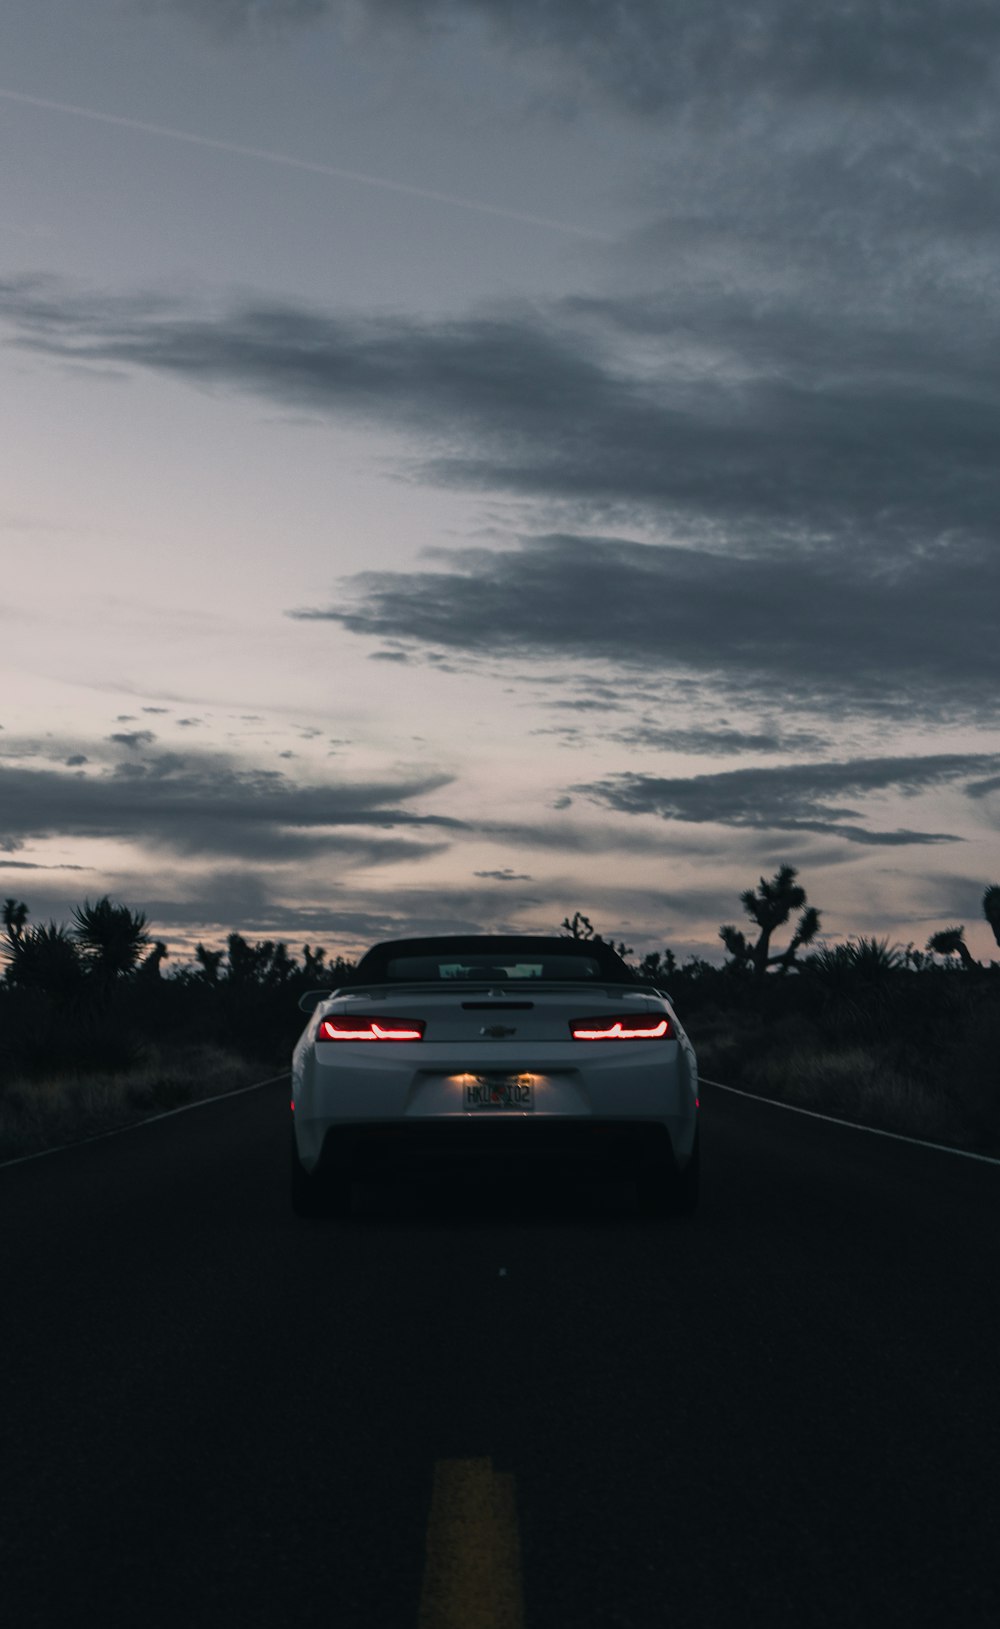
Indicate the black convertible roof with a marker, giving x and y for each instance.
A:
(373, 968)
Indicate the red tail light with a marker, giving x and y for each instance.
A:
(631, 1026)
(358, 1028)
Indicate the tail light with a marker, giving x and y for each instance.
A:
(631, 1026)
(358, 1028)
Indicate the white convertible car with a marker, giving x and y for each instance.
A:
(484, 1045)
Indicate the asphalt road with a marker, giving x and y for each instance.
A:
(784, 1411)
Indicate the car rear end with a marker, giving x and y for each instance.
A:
(554, 1070)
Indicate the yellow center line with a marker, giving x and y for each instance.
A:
(472, 1568)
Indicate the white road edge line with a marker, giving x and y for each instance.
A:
(137, 1125)
(873, 1131)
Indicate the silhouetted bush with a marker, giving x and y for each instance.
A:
(79, 1000)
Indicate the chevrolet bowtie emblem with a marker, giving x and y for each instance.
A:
(496, 1031)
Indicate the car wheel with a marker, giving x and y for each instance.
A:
(326, 1193)
(665, 1191)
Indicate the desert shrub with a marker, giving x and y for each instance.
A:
(859, 1083)
(36, 1114)
(967, 1068)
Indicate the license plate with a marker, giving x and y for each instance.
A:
(500, 1092)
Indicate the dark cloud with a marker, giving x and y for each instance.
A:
(788, 432)
(133, 738)
(957, 897)
(832, 629)
(567, 735)
(649, 54)
(206, 805)
(835, 489)
(567, 838)
(226, 17)
(585, 705)
(77, 758)
(506, 875)
(32, 865)
(847, 443)
(794, 797)
(721, 742)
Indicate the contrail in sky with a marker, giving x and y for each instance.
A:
(291, 163)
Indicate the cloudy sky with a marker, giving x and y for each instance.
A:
(468, 461)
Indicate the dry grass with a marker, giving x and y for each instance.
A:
(943, 1088)
(39, 1114)
(859, 1083)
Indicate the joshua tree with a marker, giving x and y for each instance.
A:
(281, 966)
(657, 966)
(582, 927)
(312, 961)
(210, 961)
(111, 938)
(244, 964)
(991, 909)
(14, 917)
(805, 933)
(770, 908)
(265, 963)
(150, 967)
(951, 942)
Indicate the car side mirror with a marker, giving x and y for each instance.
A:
(312, 998)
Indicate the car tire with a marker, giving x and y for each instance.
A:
(665, 1191)
(325, 1193)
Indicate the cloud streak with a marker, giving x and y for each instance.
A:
(289, 161)
(826, 630)
(204, 806)
(715, 742)
(795, 797)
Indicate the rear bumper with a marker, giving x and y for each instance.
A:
(614, 1145)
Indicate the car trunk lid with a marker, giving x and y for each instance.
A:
(502, 1015)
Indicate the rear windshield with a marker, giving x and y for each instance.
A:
(494, 959)
(417, 969)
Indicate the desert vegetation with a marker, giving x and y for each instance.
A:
(99, 1032)
(891, 1035)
